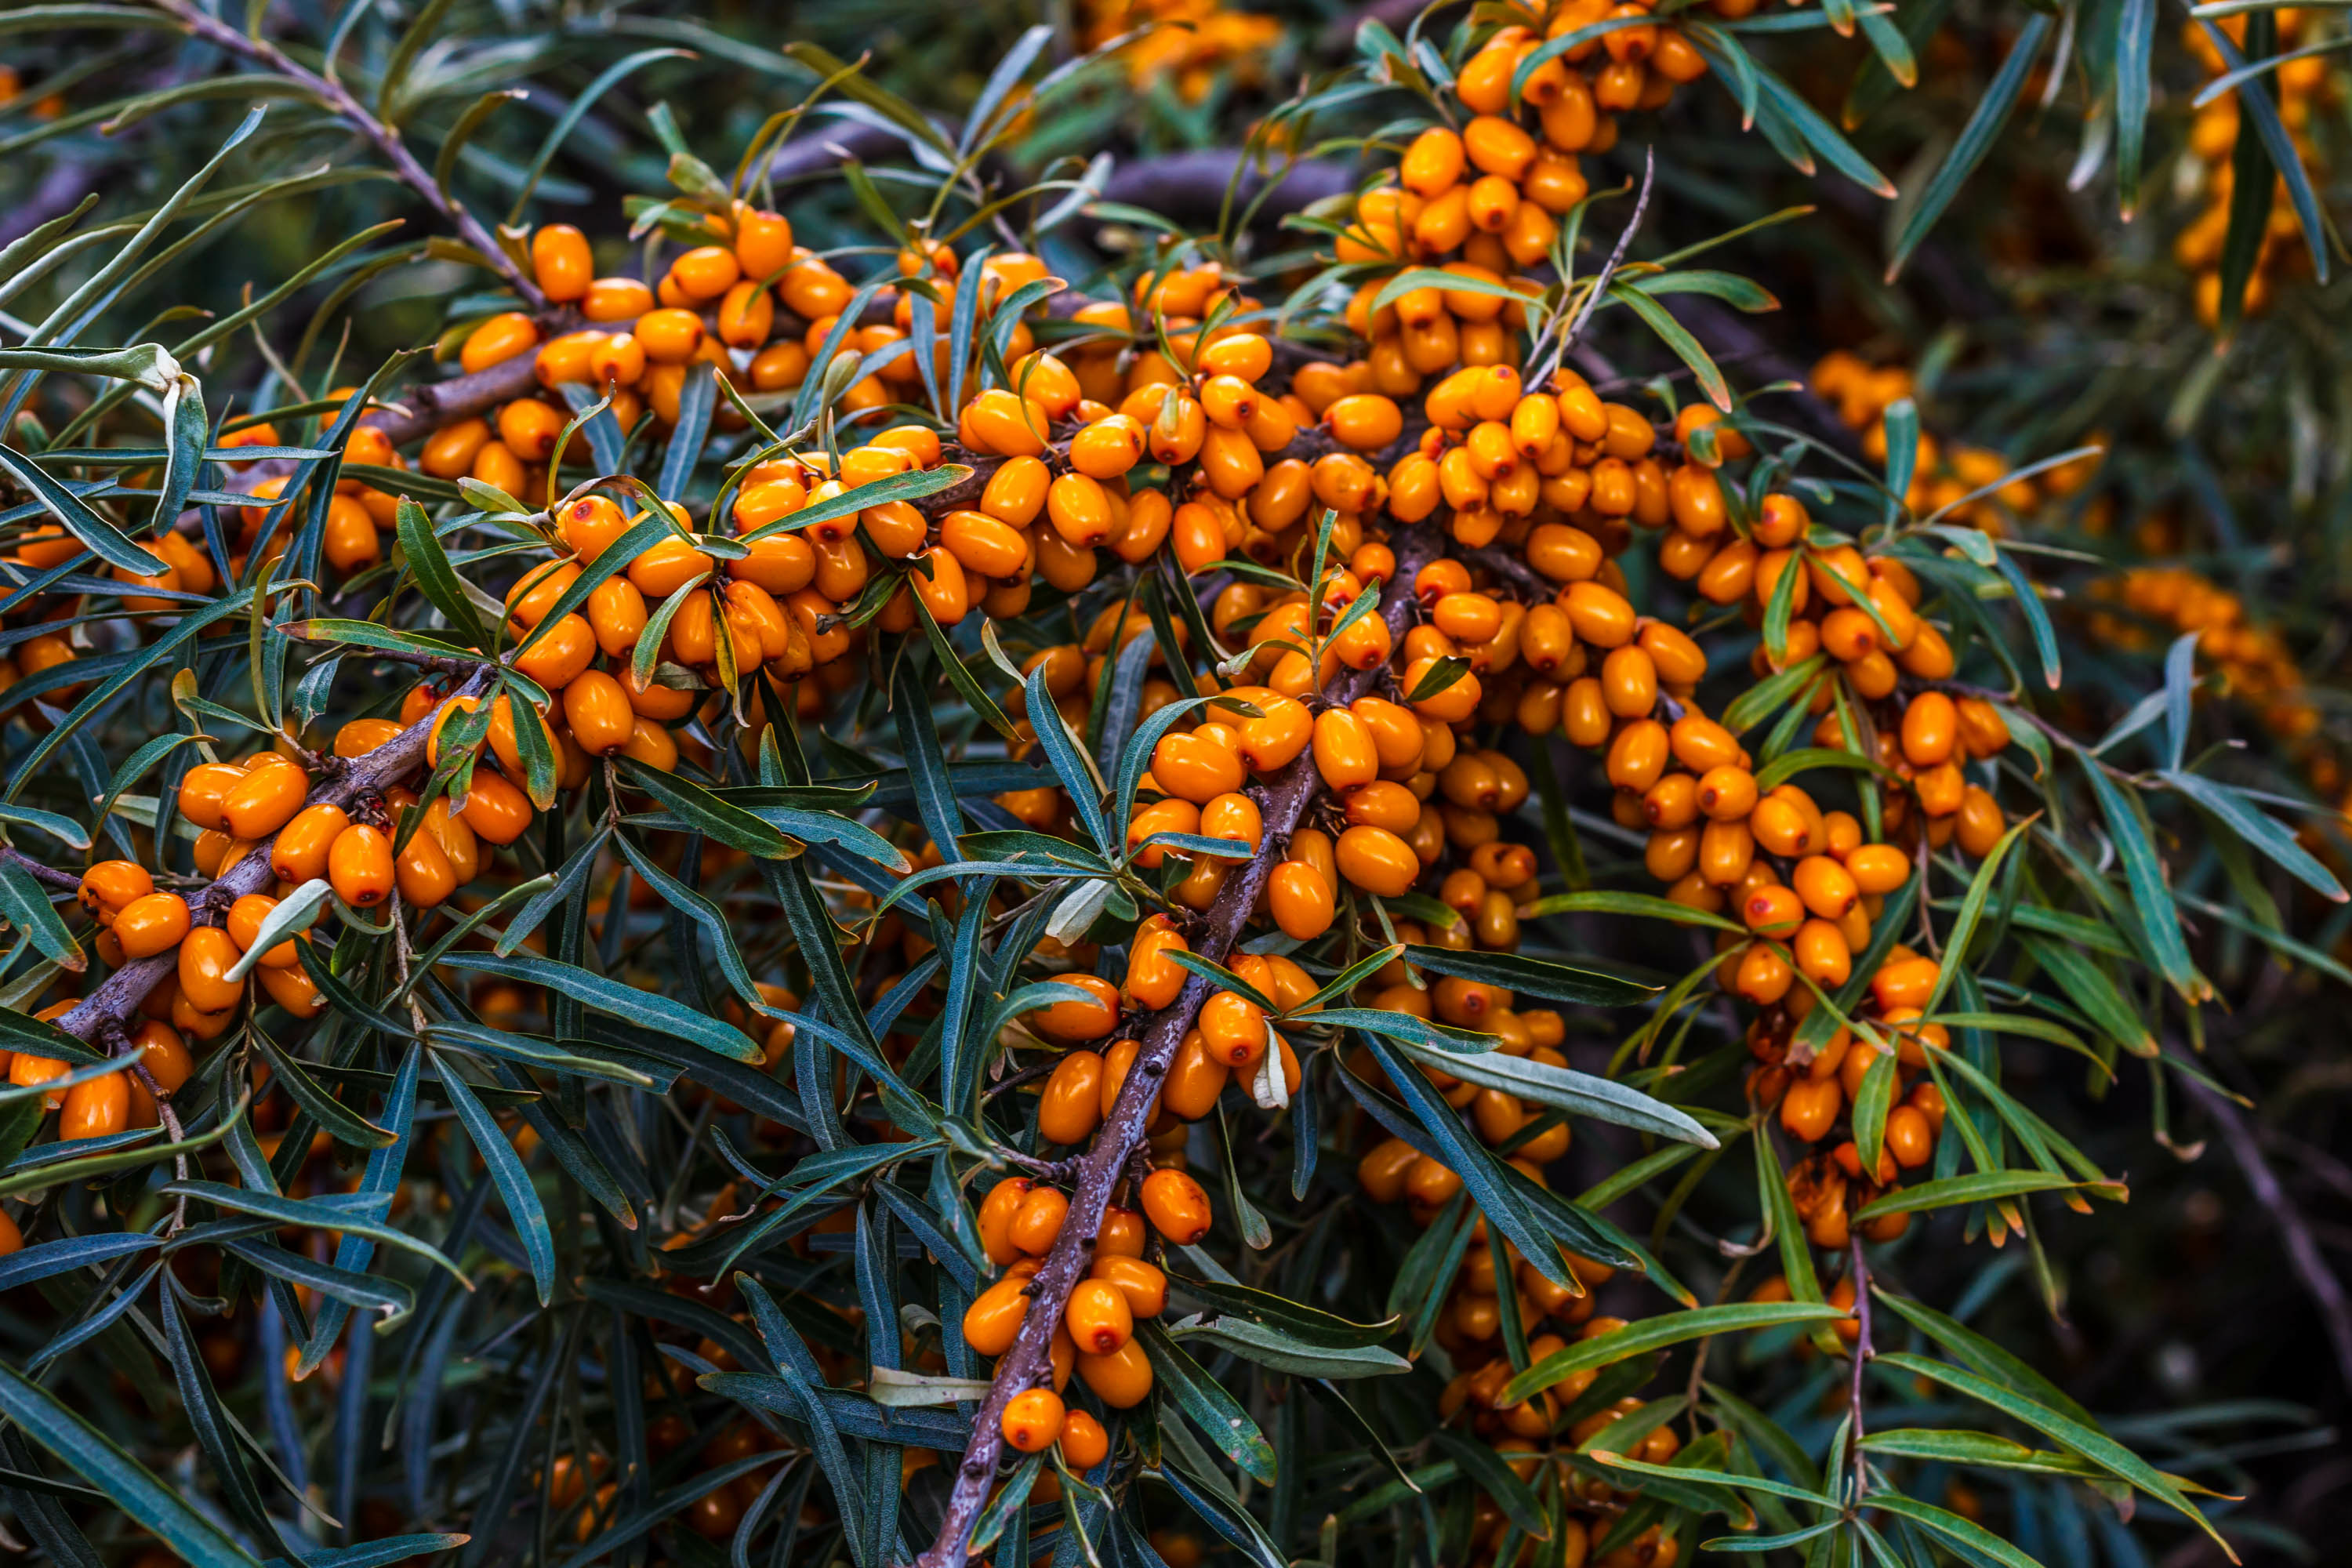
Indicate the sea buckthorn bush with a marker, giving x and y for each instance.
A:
(799, 820)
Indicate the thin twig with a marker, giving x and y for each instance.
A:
(119, 1044)
(1608, 270)
(49, 875)
(2319, 1282)
(338, 98)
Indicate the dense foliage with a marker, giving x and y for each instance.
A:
(1510, 784)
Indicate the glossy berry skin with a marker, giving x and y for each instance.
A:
(300, 853)
(360, 865)
(995, 1218)
(1121, 1380)
(151, 924)
(560, 262)
(109, 886)
(1032, 1420)
(993, 1320)
(207, 955)
(205, 791)
(1177, 1207)
(1071, 1106)
(1142, 1284)
(1039, 1220)
(1085, 1443)
(1302, 900)
(1098, 1316)
(96, 1108)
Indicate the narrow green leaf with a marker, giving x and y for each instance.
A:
(1206, 1404)
(507, 1170)
(1553, 981)
(98, 1459)
(2264, 833)
(1655, 1333)
(1984, 1186)
(1976, 140)
(421, 547)
(115, 546)
(1678, 338)
(1973, 1538)
(613, 998)
(2151, 894)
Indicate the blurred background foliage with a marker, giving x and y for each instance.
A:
(2029, 316)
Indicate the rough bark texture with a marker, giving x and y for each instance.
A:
(1283, 802)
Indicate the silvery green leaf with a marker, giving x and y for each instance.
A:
(1272, 1348)
(1078, 910)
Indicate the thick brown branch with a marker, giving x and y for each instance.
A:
(128, 986)
(436, 404)
(1283, 802)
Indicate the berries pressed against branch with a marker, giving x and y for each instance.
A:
(1423, 578)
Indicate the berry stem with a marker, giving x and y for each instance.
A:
(1283, 801)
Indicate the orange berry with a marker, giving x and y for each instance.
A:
(1177, 1207)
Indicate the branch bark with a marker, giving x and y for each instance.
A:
(128, 986)
(48, 874)
(431, 406)
(1283, 802)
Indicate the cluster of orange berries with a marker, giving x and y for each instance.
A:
(718, 304)
(1230, 1038)
(2304, 85)
(1493, 1279)
(1380, 761)
(1019, 1222)
(111, 1102)
(1531, 622)
(1058, 495)
(1202, 407)
(2255, 662)
(1941, 476)
(1494, 192)
(1187, 44)
(261, 805)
